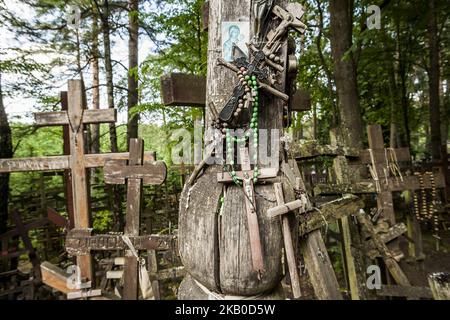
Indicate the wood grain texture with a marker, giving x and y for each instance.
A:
(197, 223)
(132, 219)
(62, 117)
(77, 164)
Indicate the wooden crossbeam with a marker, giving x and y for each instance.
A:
(405, 291)
(80, 242)
(88, 117)
(187, 90)
(55, 163)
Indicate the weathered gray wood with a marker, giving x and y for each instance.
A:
(54, 163)
(179, 89)
(384, 198)
(197, 231)
(62, 117)
(319, 267)
(55, 277)
(284, 208)
(379, 155)
(391, 264)
(331, 211)
(288, 244)
(306, 149)
(80, 242)
(317, 262)
(440, 285)
(405, 291)
(266, 173)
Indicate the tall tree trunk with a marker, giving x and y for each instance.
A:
(133, 93)
(434, 75)
(6, 151)
(115, 192)
(95, 128)
(109, 72)
(341, 16)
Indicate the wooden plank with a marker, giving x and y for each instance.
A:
(318, 264)
(187, 90)
(364, 187)
(79, 242)
(55, 277)
(62, 118)
(405, 291)
(403, 155)
(77, 164)
(132, 218)
(266, 173)
(392, 265)
(301, 101)
(308, 149)
(151, 173)
(288, 244)
(350, 263)
(55, 163)
(284, 208)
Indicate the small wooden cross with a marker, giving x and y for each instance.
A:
(136, 173)
(246, 176)
(284, 209)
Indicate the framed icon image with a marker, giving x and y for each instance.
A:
(235, 34)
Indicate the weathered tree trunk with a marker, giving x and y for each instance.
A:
(341, 12)
(109, 71)
(6, 151)
(133, 93)
(433, 82)
(215, 249)
(95, 128)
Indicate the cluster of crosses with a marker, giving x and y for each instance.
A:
(133, 168)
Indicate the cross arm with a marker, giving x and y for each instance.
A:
(62, 118)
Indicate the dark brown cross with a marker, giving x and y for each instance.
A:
(246, 176)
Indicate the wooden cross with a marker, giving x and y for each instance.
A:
(75, 118)
(246, 176)
(283, 209)
(136, 173)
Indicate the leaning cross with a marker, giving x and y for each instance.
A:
(283, 209)
(136, 173)
(246, 175)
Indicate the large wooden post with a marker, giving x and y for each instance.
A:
(214, 239)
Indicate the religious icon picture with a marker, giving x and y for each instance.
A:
(235, 35)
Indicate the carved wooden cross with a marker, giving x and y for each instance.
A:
(136, 173)
(76, 117)
(246, 175)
